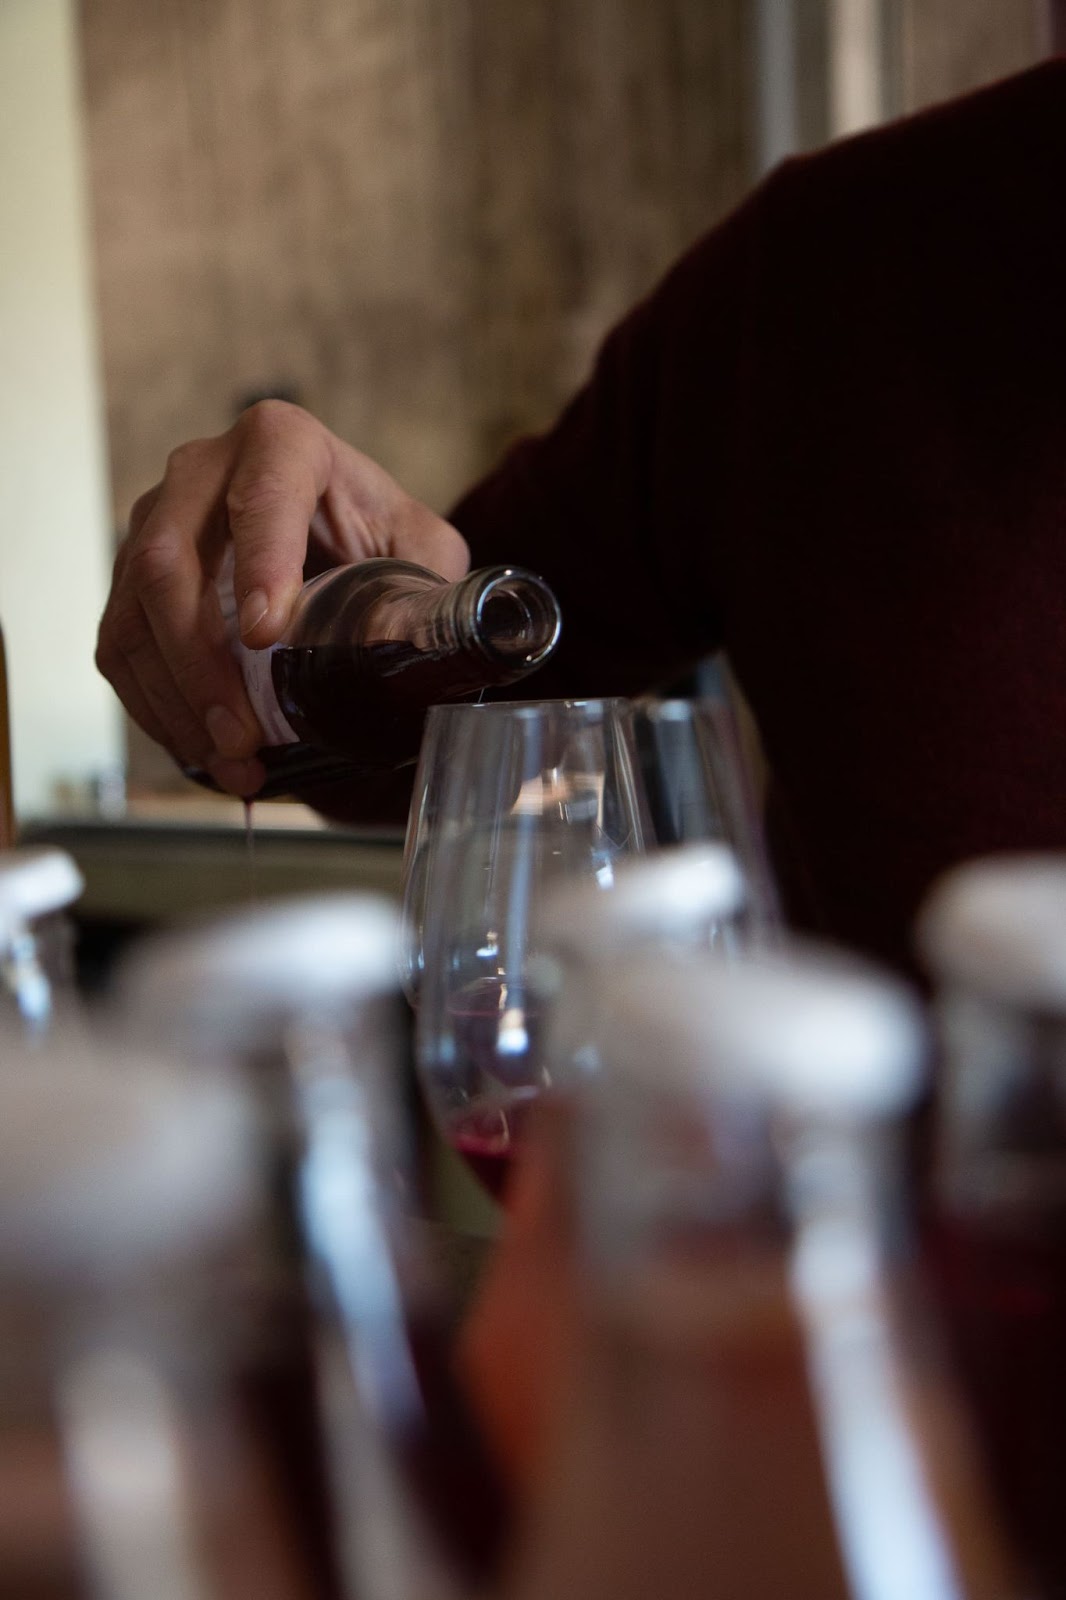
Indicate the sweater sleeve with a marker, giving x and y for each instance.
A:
(628, 502)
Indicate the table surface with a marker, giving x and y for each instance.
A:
(149, 867)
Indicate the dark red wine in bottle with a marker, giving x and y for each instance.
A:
(369, 648)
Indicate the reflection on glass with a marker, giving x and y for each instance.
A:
(509, 799)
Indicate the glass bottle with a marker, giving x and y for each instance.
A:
(301, 999)
(124, 1186)
(682, 898)
(37, 886)
(369, 647)
(516, 1330)
(993, 934)
(751, 1407)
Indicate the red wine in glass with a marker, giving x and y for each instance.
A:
(497, 1037)
(497, 1032)
(1002, 1284)
(486, 1137)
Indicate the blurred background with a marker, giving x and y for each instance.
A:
(417, 217)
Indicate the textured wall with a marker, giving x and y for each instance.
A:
(420, 213)
(950, 47)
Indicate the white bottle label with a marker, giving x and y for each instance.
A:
(255, 665)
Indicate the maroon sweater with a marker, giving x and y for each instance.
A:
(833, 442)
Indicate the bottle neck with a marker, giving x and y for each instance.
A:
(509, 617)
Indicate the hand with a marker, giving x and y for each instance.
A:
(276, 483)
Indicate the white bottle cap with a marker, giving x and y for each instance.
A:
(809, 1031)
(34, 880)
(245, 973)
(111, 1159)
(997, 925)
(673, 891)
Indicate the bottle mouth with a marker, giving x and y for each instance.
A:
(518, 617)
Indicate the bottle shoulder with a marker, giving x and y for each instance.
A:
(341, 605)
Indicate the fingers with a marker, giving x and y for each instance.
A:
(264, 484)
(364, 512)
(161, 643)
(282, 467)
(424, 537)
(139, 515)
(241, 778)
(129, 657)
(165, 620)
(122, 679)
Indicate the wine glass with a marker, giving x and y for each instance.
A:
(700, 787)
(509, 799)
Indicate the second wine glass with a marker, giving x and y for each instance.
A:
(509, 798)
(701, 788)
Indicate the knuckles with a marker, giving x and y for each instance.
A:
(122, 632)
(151, 560)
(251, 498)
(268, 420)
(106, 657)
(140, 511)
(195, 677)
(187, 461)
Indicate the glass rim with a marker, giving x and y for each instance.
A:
(530, 709)
(679, 708)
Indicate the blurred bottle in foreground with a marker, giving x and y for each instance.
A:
(125, 1193)
(993, 933)
(674, 901)
(38, 885)
(668, 904)
(751, 1406)
(369, 648)
(351, 1386)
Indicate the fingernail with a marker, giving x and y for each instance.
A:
(254, 608)
(228, 733)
